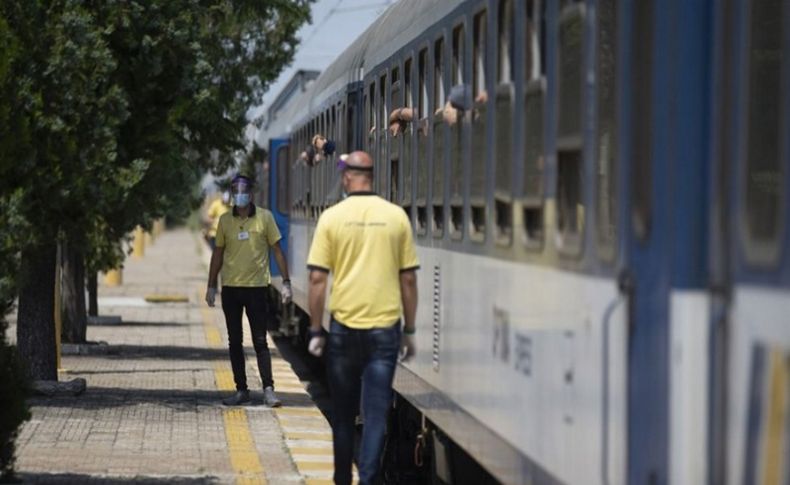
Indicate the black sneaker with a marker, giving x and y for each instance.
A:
(240, 397)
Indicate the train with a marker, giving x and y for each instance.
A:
(602, 229)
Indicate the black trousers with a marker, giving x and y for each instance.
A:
(236, 299)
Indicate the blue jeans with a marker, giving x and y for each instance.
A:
(361, 363)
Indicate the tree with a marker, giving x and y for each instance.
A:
(127, 104)
(64, 93)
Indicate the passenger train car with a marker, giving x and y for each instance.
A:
(605, 266)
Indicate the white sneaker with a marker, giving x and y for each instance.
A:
(270, 398)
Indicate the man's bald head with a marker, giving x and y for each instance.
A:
(359, 159)
(358, 172)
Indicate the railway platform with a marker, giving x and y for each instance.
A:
(152, 410)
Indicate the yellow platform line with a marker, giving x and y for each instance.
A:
(774, 447)
(243, 454)
(244, 457)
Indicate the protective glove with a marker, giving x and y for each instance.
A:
(211, 295)
(408, 346)
(287, 293)
(316, 345)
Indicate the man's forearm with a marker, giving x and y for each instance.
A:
(214, 267)
(316, 297)
(408, 290)
(281, 262)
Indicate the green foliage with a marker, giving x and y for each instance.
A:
(121, 105)
(110, 111)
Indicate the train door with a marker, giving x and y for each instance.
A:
(750, 405)
(646, 219)
(279, 192)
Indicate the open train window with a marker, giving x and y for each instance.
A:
(477, 187)
(422, 145)
(381, 154)
(765, 170)
(570, 166)
(456, 142)
(350, 126)
(370, 109)
(437, 125)
(532, 227)
(394, 141)
(642, 116)
(406, 156)
(606, 134)
(503, 161)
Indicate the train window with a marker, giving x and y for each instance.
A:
(503, 161)
(534, 96)
(407, 140)
(642, 141)
(370, 108)
(535, 48)
(381, 153)
(456, 143)
(570, 203)
(422, 146)
(571, 63)
(394, 141)
(606, 135)
(437, 194)
(505, 32)
(479, 54)
(765, 168)
(477, 188)
(350, 125)
(438, 74)
(423, 86)
(283, 179)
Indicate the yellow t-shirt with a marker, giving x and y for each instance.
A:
(214, 212)
(365, 241)
(246, 241)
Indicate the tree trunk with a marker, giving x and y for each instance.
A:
(93, 294)
(35, 330)
(75, 320)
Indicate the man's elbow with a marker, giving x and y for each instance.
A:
(408, 279)
(317, 278)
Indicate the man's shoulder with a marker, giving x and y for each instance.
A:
(225, 215)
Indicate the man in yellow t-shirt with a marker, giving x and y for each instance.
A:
(366, 243)
(244, 237)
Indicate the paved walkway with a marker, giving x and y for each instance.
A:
(152, 411)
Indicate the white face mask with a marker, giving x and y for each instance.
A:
(241, 200)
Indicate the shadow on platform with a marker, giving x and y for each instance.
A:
(78, 478)
(176, 399)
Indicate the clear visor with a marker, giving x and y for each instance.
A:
(240, 187)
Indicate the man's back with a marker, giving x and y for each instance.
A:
(365, 241)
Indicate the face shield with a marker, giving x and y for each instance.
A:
(241, 190)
